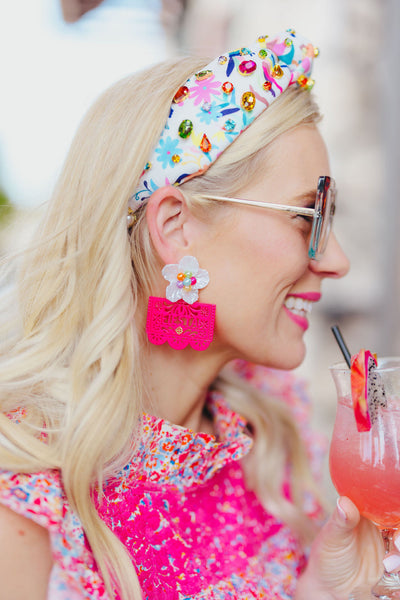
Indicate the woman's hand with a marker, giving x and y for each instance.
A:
(346, 554)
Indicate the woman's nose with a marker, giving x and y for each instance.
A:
(334, 262)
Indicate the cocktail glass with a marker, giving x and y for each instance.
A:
(365, 466)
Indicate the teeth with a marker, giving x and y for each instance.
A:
(298, 305)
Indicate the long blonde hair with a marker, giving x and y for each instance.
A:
(72, 312)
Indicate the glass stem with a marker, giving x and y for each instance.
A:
(387, 536)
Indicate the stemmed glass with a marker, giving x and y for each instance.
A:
(365, 466)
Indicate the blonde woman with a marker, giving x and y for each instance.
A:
(181, 235)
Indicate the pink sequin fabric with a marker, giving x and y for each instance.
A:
(182, 510)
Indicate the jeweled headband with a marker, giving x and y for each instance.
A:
(217, 103)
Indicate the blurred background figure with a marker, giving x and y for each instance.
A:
(61, 55)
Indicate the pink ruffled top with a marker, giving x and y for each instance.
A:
(182, 509)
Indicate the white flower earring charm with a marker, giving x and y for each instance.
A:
(185, 278)
(179, 319)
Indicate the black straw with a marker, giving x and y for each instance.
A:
(342, 345)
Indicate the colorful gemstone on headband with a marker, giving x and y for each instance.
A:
(316, 52)
(244, 51)
(262, 38)
(181, 94)
(176, 158)
(205, 144)
(229, 125)
(193, 280)
(180, 276)
(206, 107)
(247, 66)
(147, 166)
(262, 53)
(288, 42)
(248, 101)
(187, 281)
(201, 75)
(302, 81)
(185, 128)
(290, 30)
(222, 60)
(227, 87)
(179, 284)
(277, 72)
(310, 84)
(267, 85)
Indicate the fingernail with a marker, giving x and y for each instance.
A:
(391, 562)
(341, 512)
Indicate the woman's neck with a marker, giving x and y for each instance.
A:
(178, 382)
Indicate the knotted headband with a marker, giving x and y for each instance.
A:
(217, 103)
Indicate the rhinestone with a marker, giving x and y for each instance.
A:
(244, 51)
(262, 53)
(185, 128)
(206, 107)
(229, 125)
(227, 87)
(181, 94)
(316, 52)
(288, 42)
(201, 75)
(262, 38)
(277, 72)
(176, 158)
(302, 80)
(247, 66)
(248, 101)
(222, 60)
(267, 85)
(147, 166)
(205, 144)
(310, 84)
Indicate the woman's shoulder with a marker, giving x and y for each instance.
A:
(25, 557)
(40, 498)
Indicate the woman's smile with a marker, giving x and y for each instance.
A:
(299, 306)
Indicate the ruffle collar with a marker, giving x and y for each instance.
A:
(172, 455)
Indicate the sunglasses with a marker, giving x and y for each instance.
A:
(321, 214)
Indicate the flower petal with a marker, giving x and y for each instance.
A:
(202, 279)
(191, 296)
(173, 293)
(189, 263)
(170, 272)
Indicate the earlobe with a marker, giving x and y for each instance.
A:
(167, 216)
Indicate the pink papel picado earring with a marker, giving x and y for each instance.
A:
(179, 319)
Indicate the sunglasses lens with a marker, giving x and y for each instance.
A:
(324, 211)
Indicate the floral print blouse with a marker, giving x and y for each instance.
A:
(181, 508)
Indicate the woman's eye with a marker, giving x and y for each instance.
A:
(307, 218)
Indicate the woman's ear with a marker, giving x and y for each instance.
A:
(168, 220)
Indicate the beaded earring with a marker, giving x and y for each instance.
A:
(179, 319)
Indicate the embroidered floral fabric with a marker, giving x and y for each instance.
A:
(183, 512)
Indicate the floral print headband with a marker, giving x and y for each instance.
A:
(217, 103)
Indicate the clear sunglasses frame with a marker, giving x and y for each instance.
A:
(321, 214)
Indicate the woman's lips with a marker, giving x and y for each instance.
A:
(298, 306)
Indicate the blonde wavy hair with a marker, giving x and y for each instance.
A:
(72, 312)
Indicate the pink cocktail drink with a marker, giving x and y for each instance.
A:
(365, 466)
